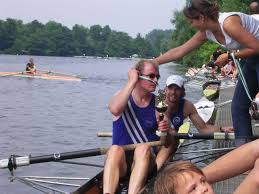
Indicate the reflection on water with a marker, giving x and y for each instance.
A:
(50, 116)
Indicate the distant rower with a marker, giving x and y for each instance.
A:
(30, 67)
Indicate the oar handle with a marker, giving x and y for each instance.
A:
(104, 134)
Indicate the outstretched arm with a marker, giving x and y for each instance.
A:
(233, 163)
(202, 127)
(178, 52)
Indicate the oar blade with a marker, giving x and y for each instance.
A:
(184, 128)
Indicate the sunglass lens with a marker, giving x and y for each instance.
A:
(152, 76)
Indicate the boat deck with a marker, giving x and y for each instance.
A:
(224, 118)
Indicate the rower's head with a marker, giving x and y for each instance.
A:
(199, 12)
(149, 70)
(174, 88)
(182, 178)
(254, 7)
(31, 60)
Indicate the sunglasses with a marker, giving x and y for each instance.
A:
(152, 76)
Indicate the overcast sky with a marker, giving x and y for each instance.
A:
(131, 16)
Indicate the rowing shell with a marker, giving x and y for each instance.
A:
(206, 109)
(39, 76)
(95, 185)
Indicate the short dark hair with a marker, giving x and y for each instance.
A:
(195, 8)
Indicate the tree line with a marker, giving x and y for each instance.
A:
(54, 39)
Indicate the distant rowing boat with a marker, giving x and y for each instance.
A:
(42, 75)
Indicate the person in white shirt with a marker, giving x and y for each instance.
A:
(254, 109)
(233, 31)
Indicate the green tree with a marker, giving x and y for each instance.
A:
(81, 43)
(8, 33)
(142, 47)
(119, 44)
(159, 40)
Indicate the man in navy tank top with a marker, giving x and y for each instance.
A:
(135, 121)
(180, 108)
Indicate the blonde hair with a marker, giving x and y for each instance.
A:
(167, 180)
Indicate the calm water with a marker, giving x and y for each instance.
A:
(49, 116)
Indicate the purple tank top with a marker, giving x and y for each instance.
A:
(136, 124)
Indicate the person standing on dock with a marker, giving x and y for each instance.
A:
(254, 109)
(134, 121)
(180, 108)
(30, 67)
(234, 31)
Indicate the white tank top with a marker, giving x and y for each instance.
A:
(249, 23)
(256, 16)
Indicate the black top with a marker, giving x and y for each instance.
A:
(29, 66)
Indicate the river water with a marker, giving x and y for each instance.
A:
(50, 116)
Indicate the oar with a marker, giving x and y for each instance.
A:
(104, 134)
(192, 76)
(223, 103)
(205, 136)
(15, 161)
(14, 73)
(49, 71)
(184, 128)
